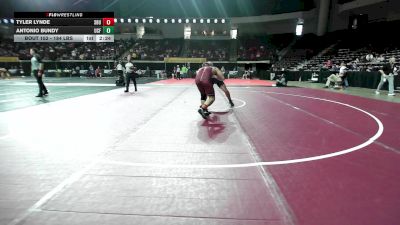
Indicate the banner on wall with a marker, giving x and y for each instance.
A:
(184, 60)
(9, 59)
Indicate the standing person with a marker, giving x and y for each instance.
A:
(387, 74)
(174, 73)
(178, 72)
(184, 71)
(37, 69)
(205, 86)
(130, 74)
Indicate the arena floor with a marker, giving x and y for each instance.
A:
(91, 154)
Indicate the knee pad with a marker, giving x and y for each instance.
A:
(203, 97)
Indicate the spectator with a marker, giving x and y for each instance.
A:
(380, 58)
(343, 74)
(184, 71)
(174, 73)
(91, 71)
(178, 72)
(246, 74)
(329, 64)
(120, 70)
(281, 79)
(369, 57)
(335, 78)
(4, 74)
(98, 72)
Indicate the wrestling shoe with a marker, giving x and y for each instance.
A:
(202, 113)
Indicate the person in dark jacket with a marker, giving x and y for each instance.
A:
(37, 68)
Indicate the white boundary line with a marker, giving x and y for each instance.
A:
(212, 110)
(270, 163)
(36, 207)
(240, 106)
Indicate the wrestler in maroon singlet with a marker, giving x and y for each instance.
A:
(205, 86)
(204, 83)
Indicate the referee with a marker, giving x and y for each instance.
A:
(130, 74)
(37, 70)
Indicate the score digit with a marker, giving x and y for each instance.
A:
(108, 30)
(108, 21)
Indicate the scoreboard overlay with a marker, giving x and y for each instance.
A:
(63, 27)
